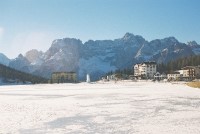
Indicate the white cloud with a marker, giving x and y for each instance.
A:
(34, 40)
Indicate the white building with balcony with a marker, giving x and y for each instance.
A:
(145, 70)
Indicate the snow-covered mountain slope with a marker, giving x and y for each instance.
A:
(4, 60)
(100, 56)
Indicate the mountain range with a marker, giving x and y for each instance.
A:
(100, 56)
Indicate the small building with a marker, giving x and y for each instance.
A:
(176, 76)
(63, 77)
(112, 77)
(159, 76)
(191, 72)
(132, 77)
(145, 70)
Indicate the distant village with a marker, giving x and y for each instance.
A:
(148, 71)
(142, 71)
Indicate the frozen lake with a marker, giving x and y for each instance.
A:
(122, 108)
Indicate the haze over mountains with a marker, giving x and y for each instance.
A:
(100, 56)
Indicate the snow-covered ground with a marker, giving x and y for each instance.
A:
(122, 107)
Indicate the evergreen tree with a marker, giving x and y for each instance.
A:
(178, 64)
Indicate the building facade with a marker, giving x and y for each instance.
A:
(145, 70)
(187, 73)
(159, 76)
(63, 77)
(174, 76)
(191, 72)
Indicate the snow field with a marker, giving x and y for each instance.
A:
(122, 107)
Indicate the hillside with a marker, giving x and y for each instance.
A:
(177, 64)
(12, 76)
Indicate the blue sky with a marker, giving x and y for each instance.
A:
(34, 24)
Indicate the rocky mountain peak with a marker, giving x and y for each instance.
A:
(193, 43)
(61, 43)
(194, 46)
(32, 52)
(170, 39)
(128, 36)
(20, 56)
(132, 39)
(34, 56)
